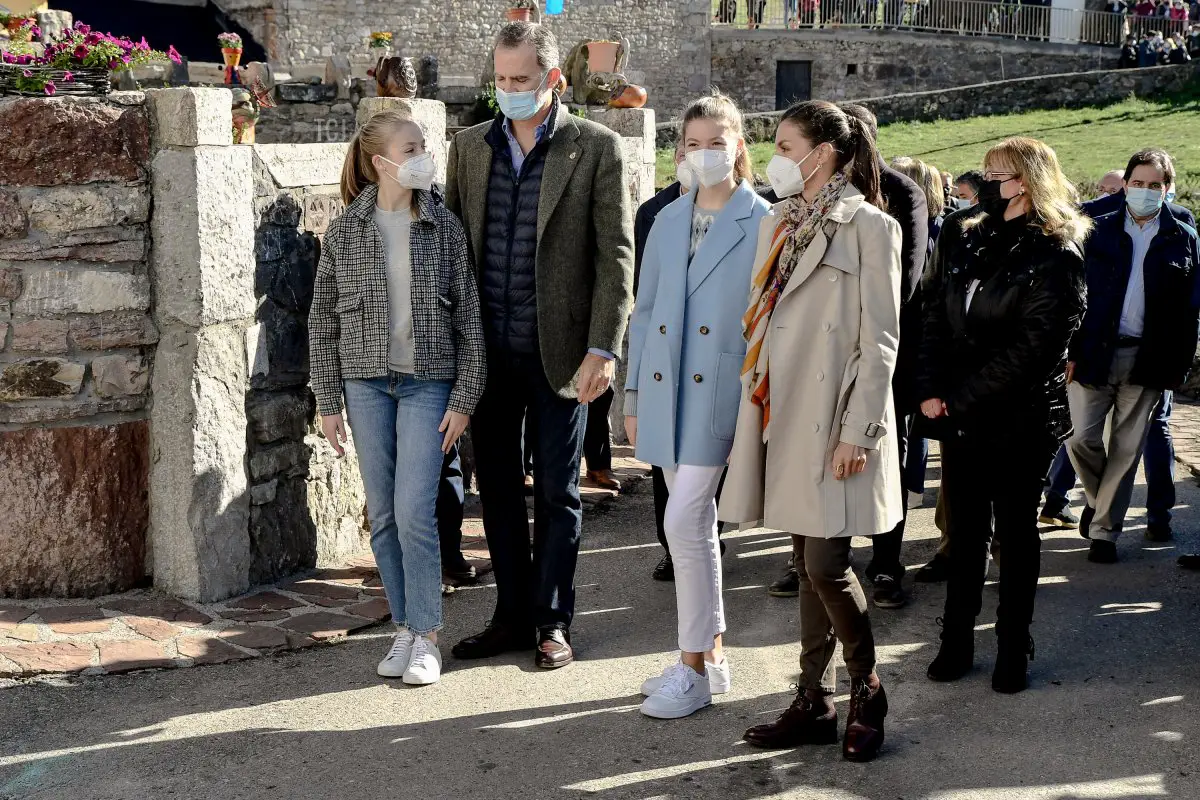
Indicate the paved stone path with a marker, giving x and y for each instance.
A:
(146, 630)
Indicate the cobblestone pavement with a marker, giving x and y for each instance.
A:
(146, 630)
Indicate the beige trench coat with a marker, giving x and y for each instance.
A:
(832, 352)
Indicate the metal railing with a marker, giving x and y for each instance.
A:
(1016, 20)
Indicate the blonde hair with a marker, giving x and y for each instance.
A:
(928, 178)
(1053, 200)
(720, 108)
(372, 140)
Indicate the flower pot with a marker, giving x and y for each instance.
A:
(232, 56)
(19, 30)
(519, 15)
(243, 130)
(602, 56)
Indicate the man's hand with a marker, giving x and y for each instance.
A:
(453, 425)
(595, 374)
(933, 408)
(1070, 373)
(631, 429)
(335, 431)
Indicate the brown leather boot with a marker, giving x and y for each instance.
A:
(864, 725)
(811, 719)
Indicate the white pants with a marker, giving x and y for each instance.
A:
(690, 523)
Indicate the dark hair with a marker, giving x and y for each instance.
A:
(850, 138)
(515, 34)
(1153, 157)
(864, 115)
(973, 178)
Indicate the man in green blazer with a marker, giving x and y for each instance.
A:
(543, 197)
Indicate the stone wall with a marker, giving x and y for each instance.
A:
(1071, 90)
(669, 40)
(864, 63)
(75, 344)
(306, 505)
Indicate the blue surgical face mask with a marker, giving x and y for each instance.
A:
(1170, 198)
(520, 105)
(1144, 202)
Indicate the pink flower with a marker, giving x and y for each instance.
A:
(93, 38)
(36, 32)
(51, 88)
(114, 64)
(27, 73)
(143, 44)
(84, 29)
(173, 54)
(7, 57)
(80, 53)
(68, 76)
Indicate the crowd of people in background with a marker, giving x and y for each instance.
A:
(794, 345)
(1154, 49)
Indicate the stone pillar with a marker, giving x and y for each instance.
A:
(429, 114)
(637, 130)
(202, 269)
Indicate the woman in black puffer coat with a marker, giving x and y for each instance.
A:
(1001, 300)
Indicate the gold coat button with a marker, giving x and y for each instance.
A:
(833, 277)
(658, 376)
(704, 330)
(662, 328)
(698, 378)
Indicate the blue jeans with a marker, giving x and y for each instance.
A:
(395, 422)
(1158, 459)
(534, 586)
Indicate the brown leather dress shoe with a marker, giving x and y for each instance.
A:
(811, 719)
(604, 478)
(864, 725)
(494, 640)
(554, 648)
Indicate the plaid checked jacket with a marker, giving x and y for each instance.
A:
(348, 324)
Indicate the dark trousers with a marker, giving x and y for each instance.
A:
(597, 441)
(662, 495)
(1158, 459)
(986, 483)
(450, 501)
(885, 547)
(534, 586)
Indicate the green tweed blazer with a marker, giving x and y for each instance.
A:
(584, 263)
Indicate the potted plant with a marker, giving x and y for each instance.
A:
(521, 11)
(231, 48)
(380, 40)
(20, 29)
(80, 63)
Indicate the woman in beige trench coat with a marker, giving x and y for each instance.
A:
(814, 451)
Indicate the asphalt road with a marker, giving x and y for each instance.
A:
(1111, 714)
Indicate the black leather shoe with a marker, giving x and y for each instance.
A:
(1102, 552)
(788, 585)
(1158, 533)
(665, 571)
(1189, 561)
(1013, 655)
(554, 648)
(494, 640)
(936, 571)
(889, 593)
(956, 656)
(864, 724)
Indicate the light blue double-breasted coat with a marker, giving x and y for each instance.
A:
(685, 339)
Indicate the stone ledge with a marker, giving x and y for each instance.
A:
(293, 166)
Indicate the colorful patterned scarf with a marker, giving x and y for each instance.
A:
(795, 232)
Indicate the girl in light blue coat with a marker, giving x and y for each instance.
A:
(685, 362)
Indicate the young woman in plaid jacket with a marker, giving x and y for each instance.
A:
(395, 331)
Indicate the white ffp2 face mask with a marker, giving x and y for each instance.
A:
(710, 167)
(785, 175)
(415, 173)
(685, 176)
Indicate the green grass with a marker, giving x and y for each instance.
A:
(1089, 141)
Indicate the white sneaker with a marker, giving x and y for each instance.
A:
(426, 665)
(717, 674)
(683, 692)
(396, 661)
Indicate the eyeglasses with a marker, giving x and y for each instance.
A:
(999, 176)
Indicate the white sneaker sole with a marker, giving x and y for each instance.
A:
(421, 680)
(676, 713)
